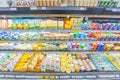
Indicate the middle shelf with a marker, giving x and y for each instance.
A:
(59, 36)
(57, 46)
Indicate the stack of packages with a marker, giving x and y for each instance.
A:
(66, 62)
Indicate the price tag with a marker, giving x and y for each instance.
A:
(79, 77)
(3, 41)
(106, 76)
(1, 76)
(73, 77)
(46, 77)
(13, 9)
(83, 9)
(52, 77)
(20, 76)
(115, 10)
(91, 76)
(27, 77)
(117, 76)
(75, 30)
(41, 77)
(9, 76)
(57, 77)
(89, 52)
(43, 8)
(33, 8)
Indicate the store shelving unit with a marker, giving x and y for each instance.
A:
(61, 12)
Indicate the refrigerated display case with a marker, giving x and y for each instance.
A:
(59, 39)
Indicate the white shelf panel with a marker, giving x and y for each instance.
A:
(82, 75)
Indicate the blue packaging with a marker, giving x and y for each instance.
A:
(119, 26)
(107, 27)
(79, 35)
(116, 26)
(83, 35)
(102, 47)
(103, 26)
(99, 47)
(111, 26)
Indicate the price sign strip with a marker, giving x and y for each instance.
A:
(8, 9)
(61, 76)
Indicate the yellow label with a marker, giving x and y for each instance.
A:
(55, 23)
(41, 77)
(43, 24)
(3, 41)
(75, 30)
(90, 53)
(46, 77)
(49, 22)
(52, 77)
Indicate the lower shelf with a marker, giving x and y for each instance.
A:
(82, 75)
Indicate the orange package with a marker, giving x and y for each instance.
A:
(94, 46)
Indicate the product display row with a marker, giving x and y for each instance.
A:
(29, 3)
(58, 24)
(98, 36)
(66, 62)
(90, 25)
(45, 23)
(56, 46)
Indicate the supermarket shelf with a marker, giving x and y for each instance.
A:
(59, 10)
(61, 41)
(82, 75)
(59, 52)
(84, 52)
(61, 30)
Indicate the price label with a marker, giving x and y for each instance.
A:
(79, 77)
(91, 77)
(52, 77)
(75, 30)
(28, 77)
(106, 76)
(1, 76)
(9, 76)
(83, 9)
(117, 76)
(46, 77)
(33, 8)
(89, 52)
(3, 41)
(57, 77)
(73, 77)
(43, 8)
(13, 9)
(115, 10)
(20, 76)
(41, 77)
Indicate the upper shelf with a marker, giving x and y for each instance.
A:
(59, 10)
